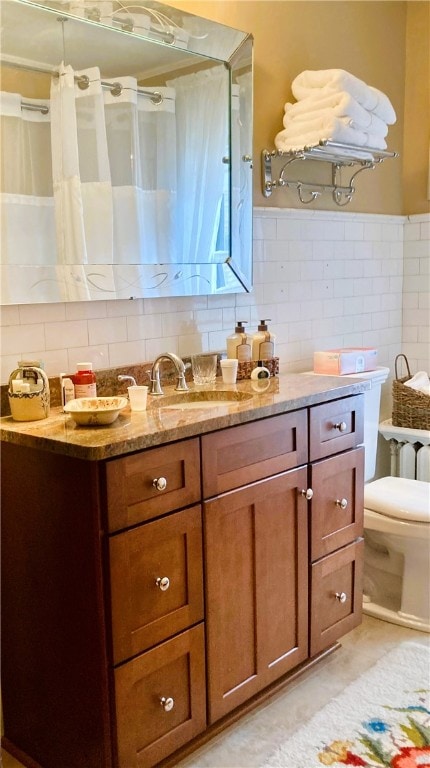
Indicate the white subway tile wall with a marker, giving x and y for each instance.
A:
(325, 279)
(416, 292)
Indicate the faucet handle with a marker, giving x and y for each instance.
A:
(181, 385)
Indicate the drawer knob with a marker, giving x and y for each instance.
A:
(163, 583)
(160, 483)
(342, 503)
(308, 493)
(341, 426)
(341, 596)
(167, 703)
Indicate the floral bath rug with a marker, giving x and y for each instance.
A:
(381, 720)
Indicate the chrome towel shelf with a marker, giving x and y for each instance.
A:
(338, 155)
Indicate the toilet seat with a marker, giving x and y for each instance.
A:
(398, 497)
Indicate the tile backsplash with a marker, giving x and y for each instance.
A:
(326, 279)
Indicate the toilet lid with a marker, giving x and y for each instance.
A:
(399, 497)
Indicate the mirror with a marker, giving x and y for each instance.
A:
(126, 152)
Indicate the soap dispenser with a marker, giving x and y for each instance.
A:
(263, 342)
(238, 345)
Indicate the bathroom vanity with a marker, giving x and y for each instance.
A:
(164, 574)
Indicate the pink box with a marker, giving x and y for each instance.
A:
(343, 361)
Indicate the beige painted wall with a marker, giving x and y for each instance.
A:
(367, 38)
(416, 145)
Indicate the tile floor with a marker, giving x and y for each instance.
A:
(248, 743)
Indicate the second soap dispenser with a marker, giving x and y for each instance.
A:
(263, 342)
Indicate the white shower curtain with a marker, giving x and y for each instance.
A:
(135, 180)
(202, 143)
(141, 137)
(109, 194)
(27, 205)
(114, 162)
(80, 166)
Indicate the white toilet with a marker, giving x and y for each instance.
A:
(396, 532)
(397, 551)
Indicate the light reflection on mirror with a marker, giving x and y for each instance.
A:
(126, 157)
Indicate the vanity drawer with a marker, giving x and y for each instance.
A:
(241, 455)
(337, 502)
(336, 426)
(156, 581)
(160, 700)
(337, 592)
(133, 494)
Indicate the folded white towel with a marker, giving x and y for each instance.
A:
(301, 135)
(341, 104)
(326, 117)
(420, 382)
(334, 80)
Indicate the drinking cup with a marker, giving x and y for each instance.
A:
(229, 370)
(204, 368)
(137, 396)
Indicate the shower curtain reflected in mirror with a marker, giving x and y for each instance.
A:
(114, 161)
(203, 208)
(28, 222)
(113, 176)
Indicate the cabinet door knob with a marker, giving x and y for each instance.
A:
(160, 483)
(163, 583)
(341, 596)
(342, 503)
(167, 703)
(341, 426)
(308, 493)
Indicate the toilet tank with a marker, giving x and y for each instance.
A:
(372, 400)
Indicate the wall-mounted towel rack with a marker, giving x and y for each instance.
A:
(338, 155)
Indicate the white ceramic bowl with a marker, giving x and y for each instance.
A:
(92, 411)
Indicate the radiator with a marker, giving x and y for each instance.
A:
(414, 461)
(410, 451)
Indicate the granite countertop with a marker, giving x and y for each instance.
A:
(134, 431)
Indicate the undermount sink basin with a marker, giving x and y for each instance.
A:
(204, 399)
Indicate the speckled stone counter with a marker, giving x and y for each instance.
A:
(134, 431)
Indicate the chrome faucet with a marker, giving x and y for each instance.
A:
(155, 386)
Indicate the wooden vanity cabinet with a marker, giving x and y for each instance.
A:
(147, 597)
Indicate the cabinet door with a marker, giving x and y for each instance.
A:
(336, 426)
(336, 595)
(257, 587)
(150, 483)
(337, 503)
(156, 581)
(160, 700)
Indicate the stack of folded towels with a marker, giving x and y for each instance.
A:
(334, 105)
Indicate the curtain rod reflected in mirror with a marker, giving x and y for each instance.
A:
(126, 161)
